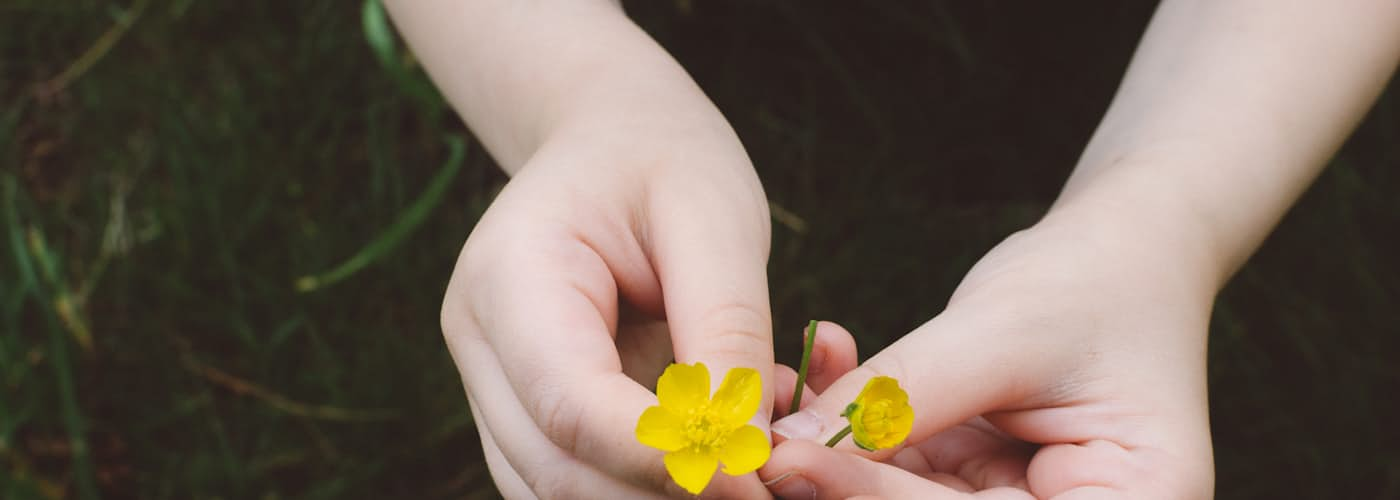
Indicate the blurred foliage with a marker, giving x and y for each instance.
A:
(169, 168)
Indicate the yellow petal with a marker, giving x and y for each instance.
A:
(902, 423)
(682, 388)
(745, 451)
(691, 470)
(879, 388)
(738, 396)
(661, 429)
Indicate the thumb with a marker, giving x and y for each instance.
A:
(952, 369)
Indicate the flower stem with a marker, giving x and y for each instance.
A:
(831, 443)
(811, 339)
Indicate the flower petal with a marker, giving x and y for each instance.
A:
(661, 429)
(902, 423)
(883, 388)
(738, 396)
(745, 451)
(856, 414)
(691, 470)
(682, 388)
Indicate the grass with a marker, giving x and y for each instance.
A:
(170, 168)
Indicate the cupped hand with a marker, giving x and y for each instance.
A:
(1070, 363)
(599, 262)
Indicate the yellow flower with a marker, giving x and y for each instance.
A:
(881, 416)
(698, 432)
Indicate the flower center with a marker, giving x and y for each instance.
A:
(877, 419)
(704, 430)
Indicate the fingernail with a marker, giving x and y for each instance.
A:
(804, 424)
(791, 485)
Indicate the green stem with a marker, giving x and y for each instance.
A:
(810, 339)
(831, 443)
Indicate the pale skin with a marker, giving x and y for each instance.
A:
(1070, 363)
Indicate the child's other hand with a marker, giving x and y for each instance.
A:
(607, 254)
(1069, 364)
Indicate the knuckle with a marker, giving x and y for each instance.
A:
(551, 481)
(558, 414)
(730, 344)
(457, 316)
(737, 329)
(461, 334)
(455, 319)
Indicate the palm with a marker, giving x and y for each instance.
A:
(977, 456)
(968, 457)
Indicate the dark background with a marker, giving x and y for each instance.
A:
(169, 169)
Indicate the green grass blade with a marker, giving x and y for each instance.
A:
(58, 349)
(16, 237)
(9, 419)
(63, 304)
(377, 32)
(407, 221)
(380, 35)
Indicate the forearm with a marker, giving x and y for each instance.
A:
(522, 74)
(1229, 109)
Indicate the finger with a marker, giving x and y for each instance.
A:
(1104, 469)
(1063, 467)
(954, 483)
(833, 354)
(802, 469)
(975, 451)
(709, 241)
(953, 370)
(1150, 442)
(508, 482)
(530, 459)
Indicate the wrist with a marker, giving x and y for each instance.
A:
(653, 169)
(1148, 227)
(681, 132)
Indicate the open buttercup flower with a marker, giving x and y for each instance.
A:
(699, 432)
(880, 416)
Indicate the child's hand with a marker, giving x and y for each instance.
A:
(1069, 364)
(554, 312)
